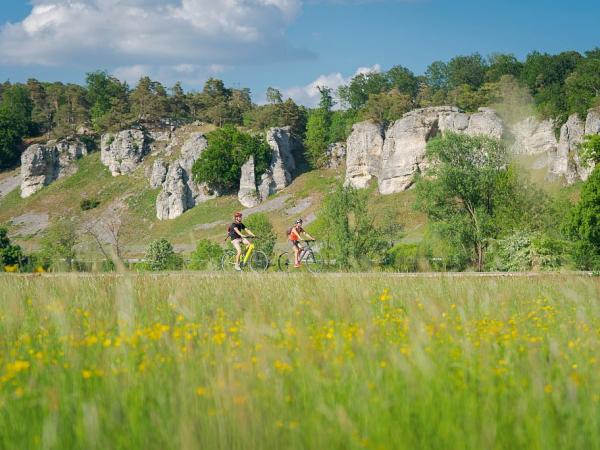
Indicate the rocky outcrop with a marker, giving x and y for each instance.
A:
(566, 163)
(41, 164)
(363, 153)
(280, 172)
(533, 137)
(248, 194)
(179, 190)
(158, 173)
(396, 155)
(336, 154)
(123, 152)
(592, 122)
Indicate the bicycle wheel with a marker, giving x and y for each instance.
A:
(314, 263)
(284, 262)
(228, 261)
(259, 261)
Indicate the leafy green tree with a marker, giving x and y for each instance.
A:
(15, 123)
(41, 113)
(109, 101)
(206, 256)
(149, 101)
(468, 70)
(177, 104)
(589, 149)
(357, 92)
(58, 245)
(583, 87)
(10, 254)
(461, 191)
(274, 96)
(281, 114)
(161, 256)
(387, 106)
(318, 129)
(72, 112)
(349, 231)
(403, 81)
(500, 64)
(436, 75)
(262, 227)
(584, 224)
(341, 124)
(228, 149)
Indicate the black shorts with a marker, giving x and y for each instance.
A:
(295, 244)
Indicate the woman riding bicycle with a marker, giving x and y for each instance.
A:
(237, 237)
(294, 237)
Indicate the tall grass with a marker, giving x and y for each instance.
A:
(294, 362)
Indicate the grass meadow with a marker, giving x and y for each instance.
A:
(210, 361)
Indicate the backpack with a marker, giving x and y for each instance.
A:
(289, 231)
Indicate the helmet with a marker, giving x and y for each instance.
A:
(299, 221)
(237, 214)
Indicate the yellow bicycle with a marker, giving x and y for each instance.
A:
(255, 259)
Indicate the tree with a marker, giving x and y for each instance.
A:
(387, 106)
(583, 87)
(228, 149)
(178, 106)
(15, 123)
(274, 96)
(403, 81)
(58, 243)
(463, 188)
(500, 64)
(149, 101)
(318, 129)
(357, 92)
(350, 234)
(437, 75)
(589, 149)
(109, 101)
(206, 256)
(261, 226)
(584, 224)
(161, 256)
(468, 70)
(10, 255)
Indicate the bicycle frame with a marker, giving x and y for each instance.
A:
(249, 250)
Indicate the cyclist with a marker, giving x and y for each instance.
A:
(295, 236)
(236, 233)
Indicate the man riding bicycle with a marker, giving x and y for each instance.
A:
(295, 237)
(236, 233)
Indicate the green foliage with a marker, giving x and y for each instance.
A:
(58, 245)
(262, 227)
(407, 257)
(149, 101)
(584, 224)
(206, 256)
(317, 136)
(228, 149)
(280, 114)
(386, 106)
(15, 123)
(526, 251)
(469, 70)
(349, 232)
(583, 87)
(463, 188)
(161, 256)
(590, 148)
(341, 124)
(89, 203)
(10, 255)
(109, 100)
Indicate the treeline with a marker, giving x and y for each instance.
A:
(559, 85)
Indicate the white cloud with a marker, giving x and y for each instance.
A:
(137, 34)
(309, 95)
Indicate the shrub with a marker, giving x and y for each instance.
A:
(161, 256)
(206, 256)
(10, 255)
(89, 203)
(262, 227)
(523, 251)
(404, 257)
(58, 245)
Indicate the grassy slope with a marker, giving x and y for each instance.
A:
(62, 198)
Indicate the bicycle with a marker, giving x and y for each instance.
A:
(313, 262)
(255, 259)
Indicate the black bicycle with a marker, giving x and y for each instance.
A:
(307, 257)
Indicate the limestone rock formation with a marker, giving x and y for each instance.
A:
(41, 164)
(363, 153)
(394, 157)
(248, 195)
(158, 173)
(534, 137)
(179, 190)
(123, 152)
(592, 121)
(566, 163)
(336, 155)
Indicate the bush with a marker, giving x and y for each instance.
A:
(161, 256)
(524, 251)
(206, 256)
(228, 149)
(58, 245)
(261, 226)
(10, 255)
(89, 203)
(408, 257)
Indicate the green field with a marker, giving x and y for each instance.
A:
(207, 361)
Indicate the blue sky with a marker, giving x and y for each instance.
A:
(290, 44)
